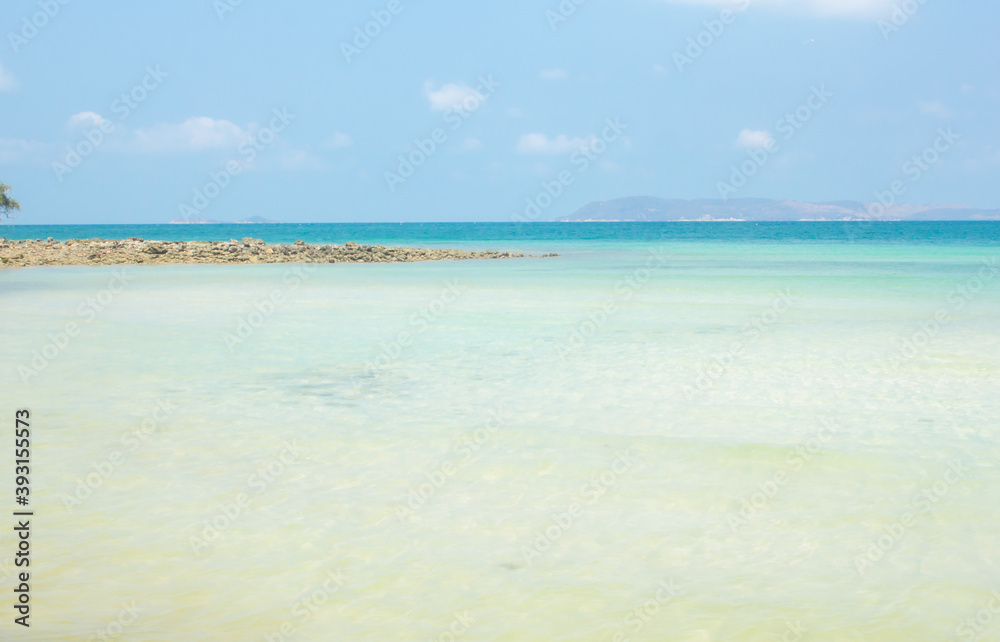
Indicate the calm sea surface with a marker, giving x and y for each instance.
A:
(692, 432)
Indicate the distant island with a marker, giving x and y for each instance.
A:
(649, 208)
(253, 220)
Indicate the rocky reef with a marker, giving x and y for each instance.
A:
(138, 251)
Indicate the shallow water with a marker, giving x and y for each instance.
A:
(649, 440)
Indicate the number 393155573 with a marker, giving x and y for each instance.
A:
(22, 455)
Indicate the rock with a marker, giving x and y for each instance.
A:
(249, 250)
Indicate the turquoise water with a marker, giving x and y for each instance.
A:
(534, 234)
(679, 433)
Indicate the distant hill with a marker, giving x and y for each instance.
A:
(649, 208)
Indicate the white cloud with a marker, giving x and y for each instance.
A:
(866, 9)
(752, 139)
(449, 96)
(553, 74)
(542, 144)
(194, 134)
(86, 119)
(471, 144)
(935, 109)
(339, 140)
(7, 80)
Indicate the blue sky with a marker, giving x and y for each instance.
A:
(262, 110)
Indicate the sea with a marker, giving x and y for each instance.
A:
(678, 431)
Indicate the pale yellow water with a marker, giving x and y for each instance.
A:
(575, 486)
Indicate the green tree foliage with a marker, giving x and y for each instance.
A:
(7, 204)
